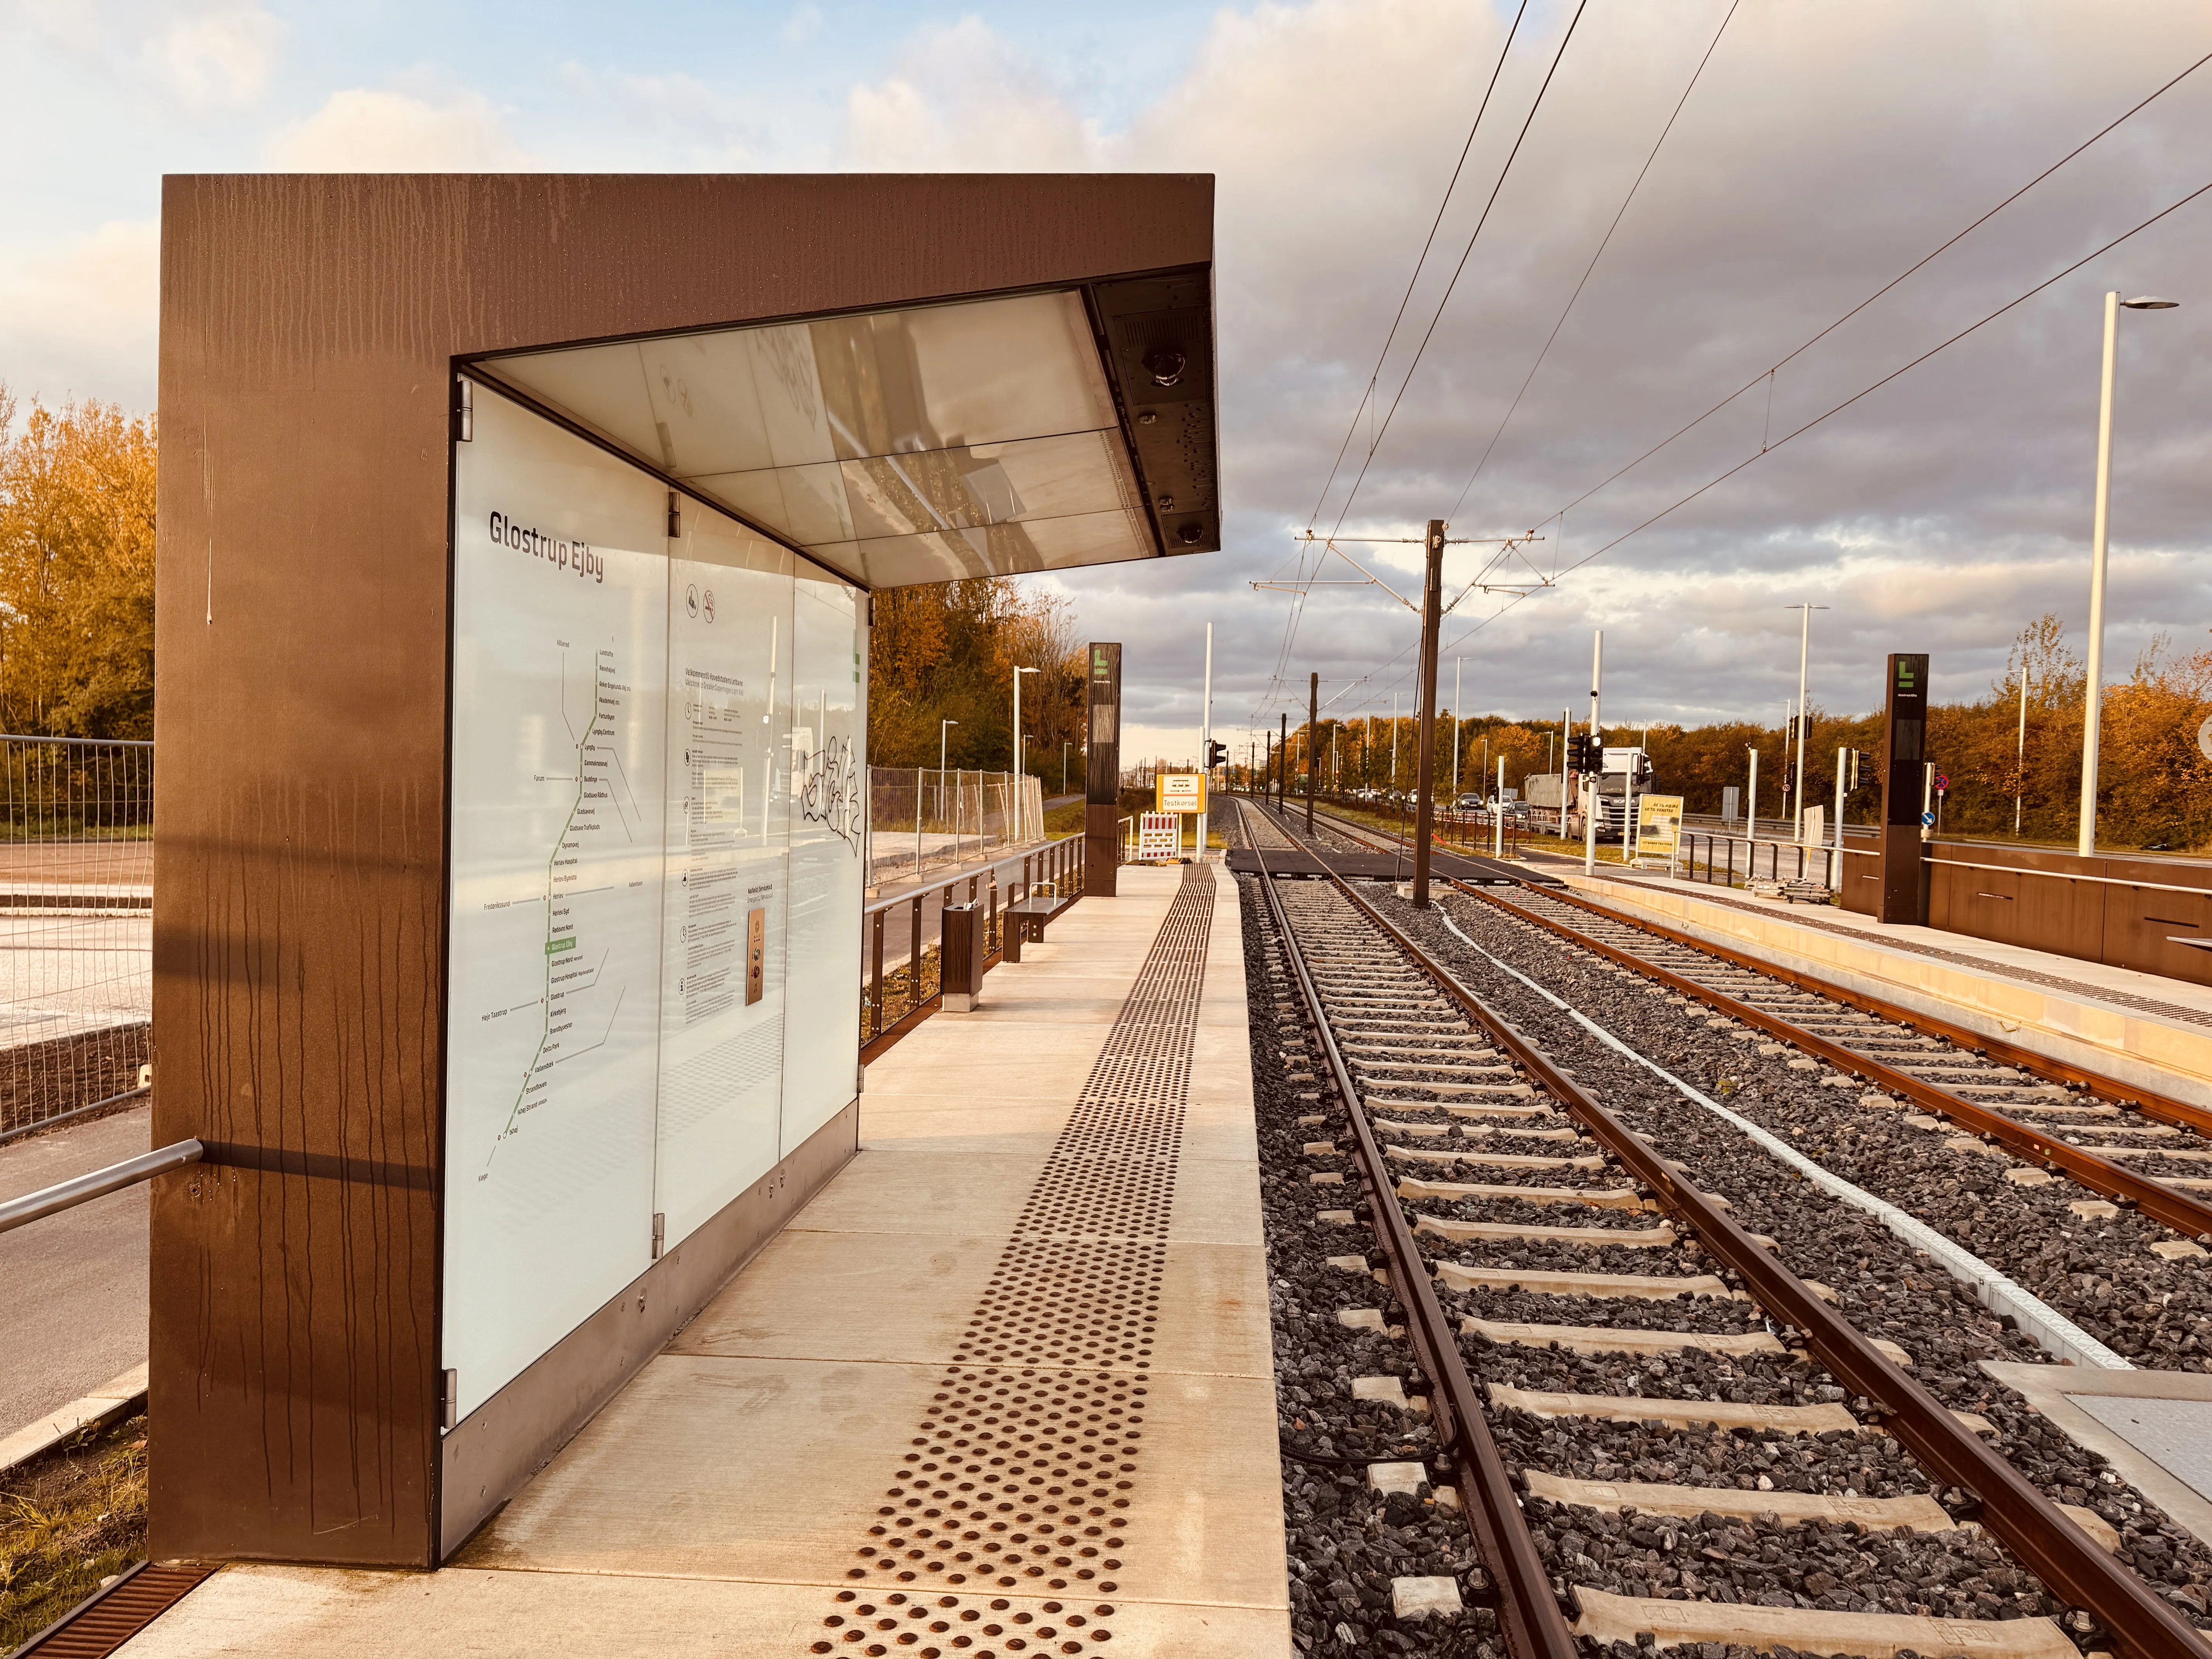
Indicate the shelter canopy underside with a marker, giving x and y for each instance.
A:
(987, 437)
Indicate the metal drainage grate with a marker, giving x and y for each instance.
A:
(1022, 1467)
(99, 1624)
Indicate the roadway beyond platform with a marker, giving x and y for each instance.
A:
(72, 1286)
(1004, 1388)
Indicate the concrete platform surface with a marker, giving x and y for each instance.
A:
(2138, 1028)
(1008, 1378)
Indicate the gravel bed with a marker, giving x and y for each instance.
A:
(1347, 1542)
(2098, 1270)
(1885, 1288)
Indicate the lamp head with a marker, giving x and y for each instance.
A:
(2150, 302)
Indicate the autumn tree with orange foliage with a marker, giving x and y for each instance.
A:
(76, 571)
(950, 651)
(2155, 784)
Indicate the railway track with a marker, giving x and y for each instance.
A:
(1983, 1104)
(1584, 1313)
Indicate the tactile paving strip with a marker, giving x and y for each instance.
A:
(1021, 1472)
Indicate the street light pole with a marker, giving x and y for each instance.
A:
(941, 725)
(2085, 839)
(1021, 829)
(1804, 648)
(1458, 712)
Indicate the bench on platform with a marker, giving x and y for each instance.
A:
(1024, 921)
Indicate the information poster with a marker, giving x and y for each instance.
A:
(727, 899)
(1659, 825)
(654, 976)
(561, 605)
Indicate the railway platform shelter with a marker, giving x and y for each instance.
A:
(1003, 1386)
(519, 544)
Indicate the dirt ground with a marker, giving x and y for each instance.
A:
(68, 1520)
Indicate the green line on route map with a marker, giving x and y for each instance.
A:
(553, 947)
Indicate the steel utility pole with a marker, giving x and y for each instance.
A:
(1283, 766)
(1590, 807)
(1459, 712)
(1313, 755)
(1424, 756)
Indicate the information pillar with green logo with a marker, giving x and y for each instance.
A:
(1904, 753)
(1102, 822)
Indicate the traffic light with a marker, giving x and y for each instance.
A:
(1851, 767)
(1216, 753)
(1584, 754)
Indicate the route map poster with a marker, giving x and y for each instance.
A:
(636, 718)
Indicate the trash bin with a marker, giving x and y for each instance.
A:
(961, 959)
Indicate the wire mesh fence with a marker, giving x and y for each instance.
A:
(921, 822)
(77, 899)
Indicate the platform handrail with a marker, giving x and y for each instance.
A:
(978, 872)
(98, 1183)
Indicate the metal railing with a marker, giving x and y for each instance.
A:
(891, 1001)
(1735, 861)
(97, 1183)
(921, 820)
(76, 897)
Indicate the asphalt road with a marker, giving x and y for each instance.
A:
(72, 1286)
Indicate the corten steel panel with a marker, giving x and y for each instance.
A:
(1904, 881)
(308, 329)
(1102, 775)
(2142, 922)
(2010, 906)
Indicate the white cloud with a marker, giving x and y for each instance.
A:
(960, 99)
(82, 320)
(803, 25)
(204, 56)
(366, 131)
(219, 59)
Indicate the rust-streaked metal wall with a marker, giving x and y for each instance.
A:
(308, 329)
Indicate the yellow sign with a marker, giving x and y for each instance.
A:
(1181, 791)
(1659, 823)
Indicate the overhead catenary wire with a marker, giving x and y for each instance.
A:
(1352, 430)
(1352, 427)
(1466, 253)
(1950, 242)
(1604, 243)
(1766, 374)
(1903, 368)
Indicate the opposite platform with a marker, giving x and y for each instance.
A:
(2138, 1028)
(1003, 1388)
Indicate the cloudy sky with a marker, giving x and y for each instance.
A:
(1823, 149)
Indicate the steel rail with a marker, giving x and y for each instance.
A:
(2027, 1523)
(2173, 1209)
(97, 1183)
(2165, 1108)
(1529, 1612)
(2188, 1216)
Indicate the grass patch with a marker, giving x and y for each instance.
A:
(68, 1520)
